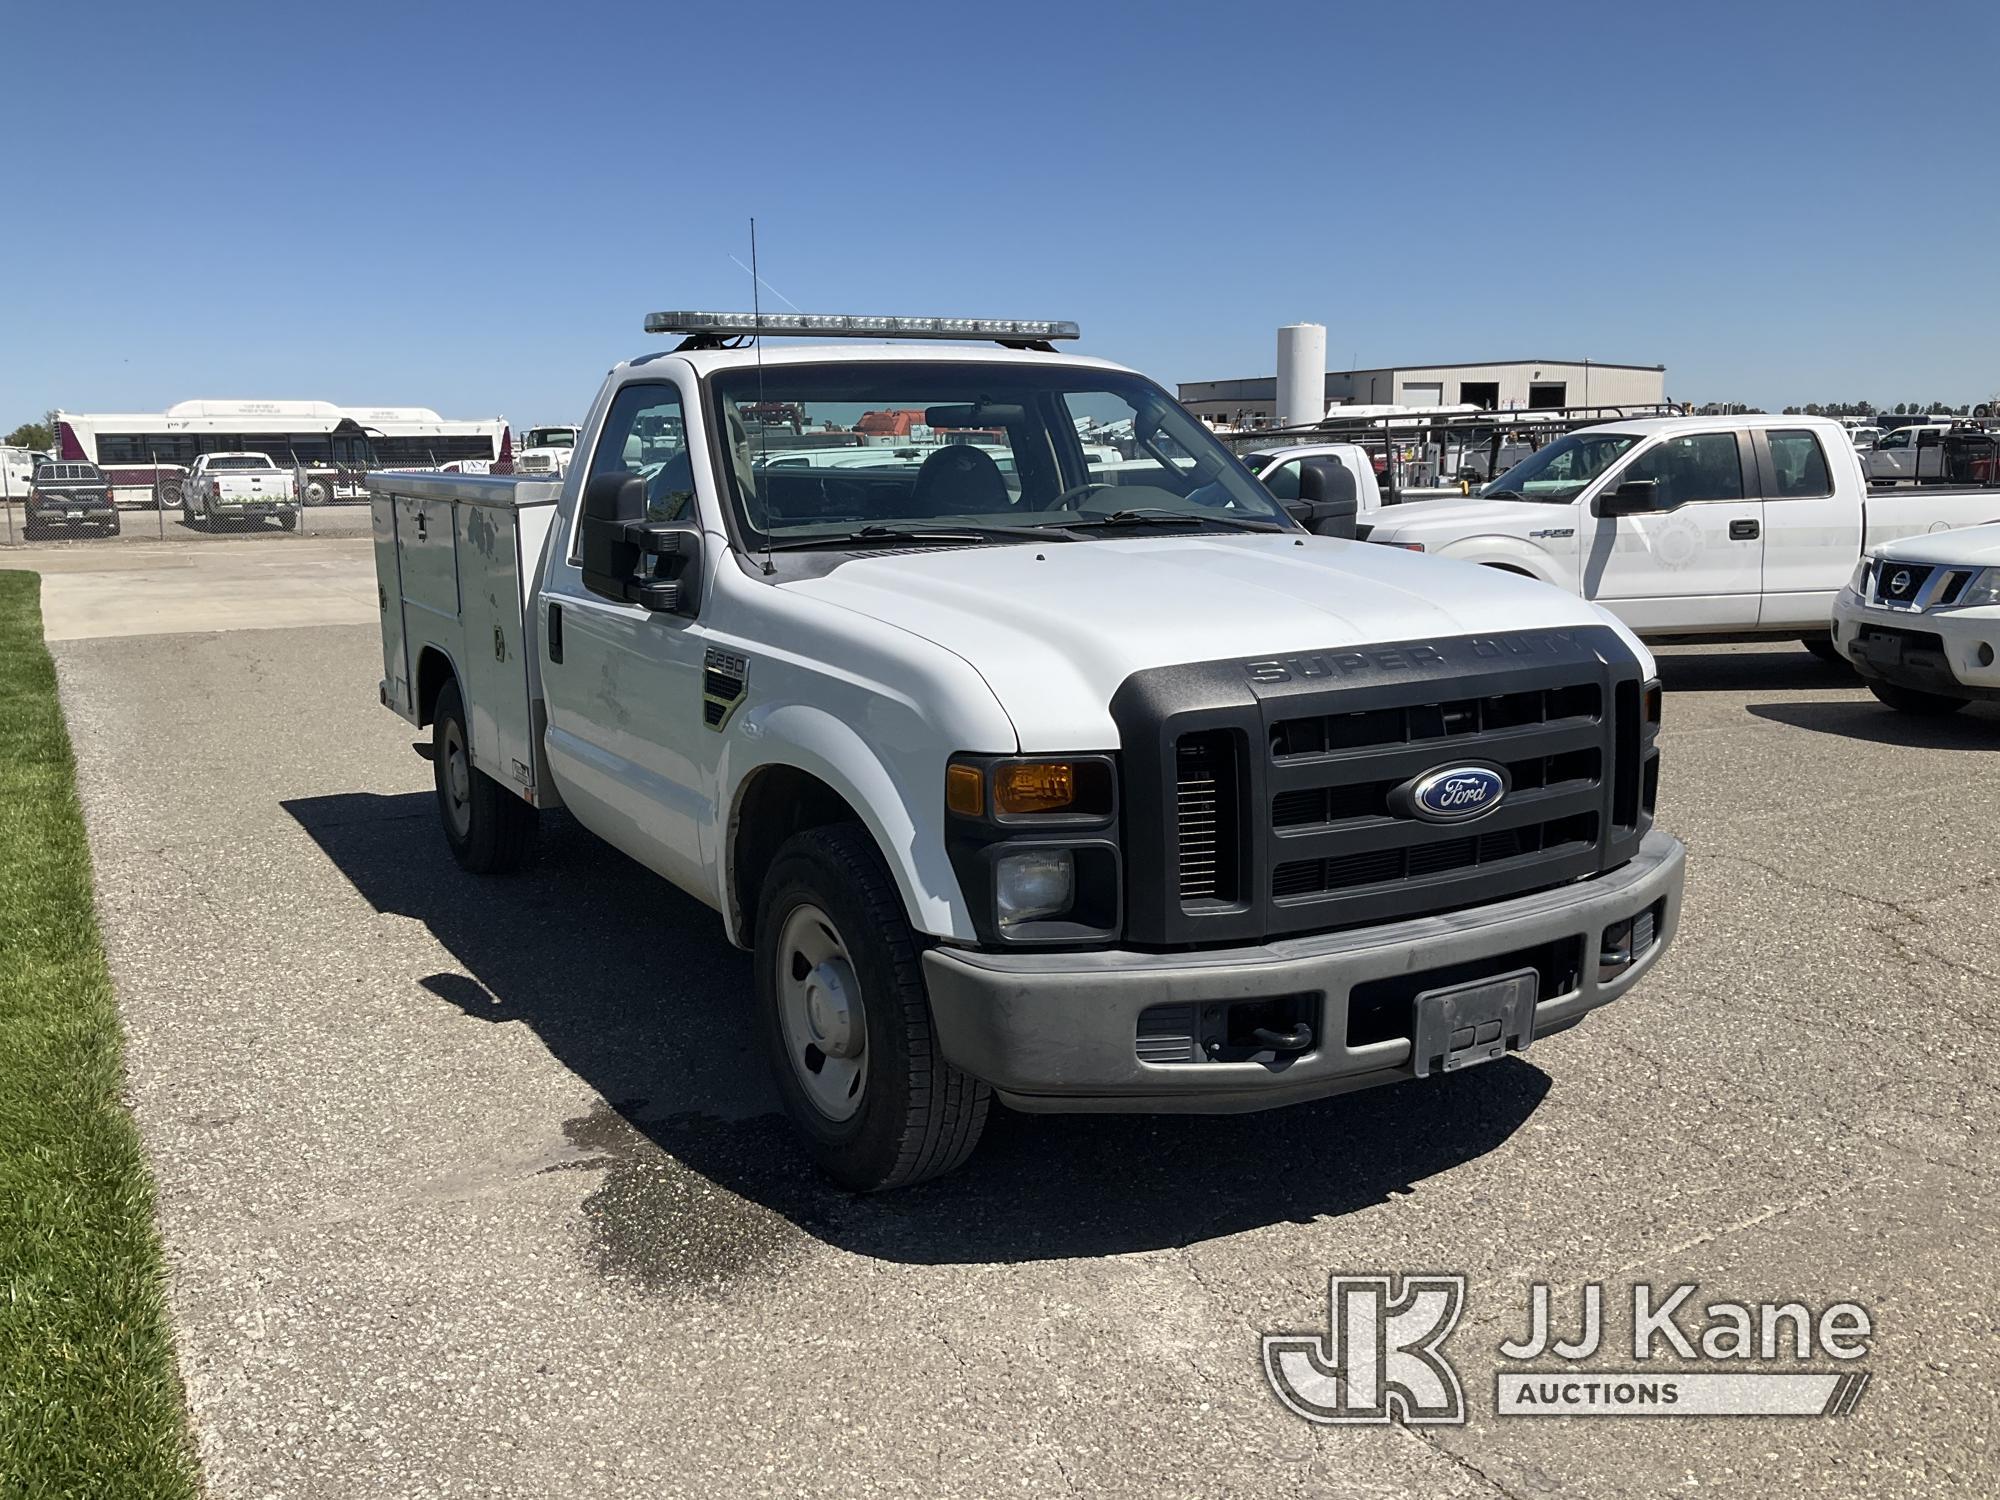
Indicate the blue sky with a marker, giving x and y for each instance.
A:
(472, 208)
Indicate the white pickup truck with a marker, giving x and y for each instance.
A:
(238, 487)
(1090, 790)
(1720, 528)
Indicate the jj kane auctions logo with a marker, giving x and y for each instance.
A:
(1382, 1357)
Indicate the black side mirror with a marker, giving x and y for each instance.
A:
(654, 564)
(1634, 497)
(1329, 503)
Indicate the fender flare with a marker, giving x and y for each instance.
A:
(801, 737)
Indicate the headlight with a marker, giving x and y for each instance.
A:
(1033, 883)
(1984, 589)
(1034, 843)
(1858, 581)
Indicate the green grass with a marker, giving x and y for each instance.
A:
(90, 1403)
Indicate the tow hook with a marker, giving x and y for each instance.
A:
(1298, 1039)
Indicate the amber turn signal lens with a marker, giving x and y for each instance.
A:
(964, 791)
(1034, 786)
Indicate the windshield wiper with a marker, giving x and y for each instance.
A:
(1501, 495)
(870, 536)
(1120, 518)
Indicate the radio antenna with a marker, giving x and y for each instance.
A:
(762, 468)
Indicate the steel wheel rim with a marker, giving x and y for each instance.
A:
(820, 1007)
(457, 779)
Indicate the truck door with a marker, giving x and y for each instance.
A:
(1812, 525)
(625, 736)
(1696, 560)
(1894, 456)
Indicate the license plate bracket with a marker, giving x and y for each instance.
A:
(1466, 1024)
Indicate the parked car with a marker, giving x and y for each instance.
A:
(1723, 528)
(69, 494)
(1920, 620)
(238, 487)
(1109, 792)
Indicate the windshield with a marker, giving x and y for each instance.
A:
(240, 461)
(1562, 470)
(822, 451)
(551, 437)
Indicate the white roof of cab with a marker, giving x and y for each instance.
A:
(1650, 426)
(708, 361)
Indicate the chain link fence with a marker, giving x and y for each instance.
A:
(150, 503)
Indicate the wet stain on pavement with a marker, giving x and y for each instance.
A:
(656, 1221)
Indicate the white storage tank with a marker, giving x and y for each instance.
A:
(1301, 374)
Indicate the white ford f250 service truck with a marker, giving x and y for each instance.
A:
(1920, 621)
(1723, 528)
(1091, 793)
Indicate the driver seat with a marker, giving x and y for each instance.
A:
(960, 480)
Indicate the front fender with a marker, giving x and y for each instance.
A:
(1510, 553)
(897, 792)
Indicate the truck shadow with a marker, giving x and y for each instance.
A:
(630, 985)
(1789, 666)
(1974, 728)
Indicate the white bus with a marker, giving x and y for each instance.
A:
(330, 448)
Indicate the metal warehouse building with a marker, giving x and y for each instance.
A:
(1506, 385)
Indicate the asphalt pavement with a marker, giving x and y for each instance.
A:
(475, 1187)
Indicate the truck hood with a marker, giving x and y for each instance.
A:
(1055, 629)
(1471, 517)
(1968, 547)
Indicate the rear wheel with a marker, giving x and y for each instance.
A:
(1909, 700)
(1823, 647)
(846, 1022)
(289, 520)
(490, 830)
(112, 526)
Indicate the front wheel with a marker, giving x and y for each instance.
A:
(490, 830)
(1823, 647)
(846, 1022)
(1909, 700)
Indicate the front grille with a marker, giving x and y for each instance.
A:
(1288, 785)
(1325, 734)
(1899, 583)
(1312, 877)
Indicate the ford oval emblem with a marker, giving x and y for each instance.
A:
(1457, 794)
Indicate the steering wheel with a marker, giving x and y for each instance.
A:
(1074, 492)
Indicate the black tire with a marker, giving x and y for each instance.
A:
(1909, 700)
(917, 1116)
(288, 521)
(113, 526)
(490, 830)
(1823, 647)
(32, 531)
